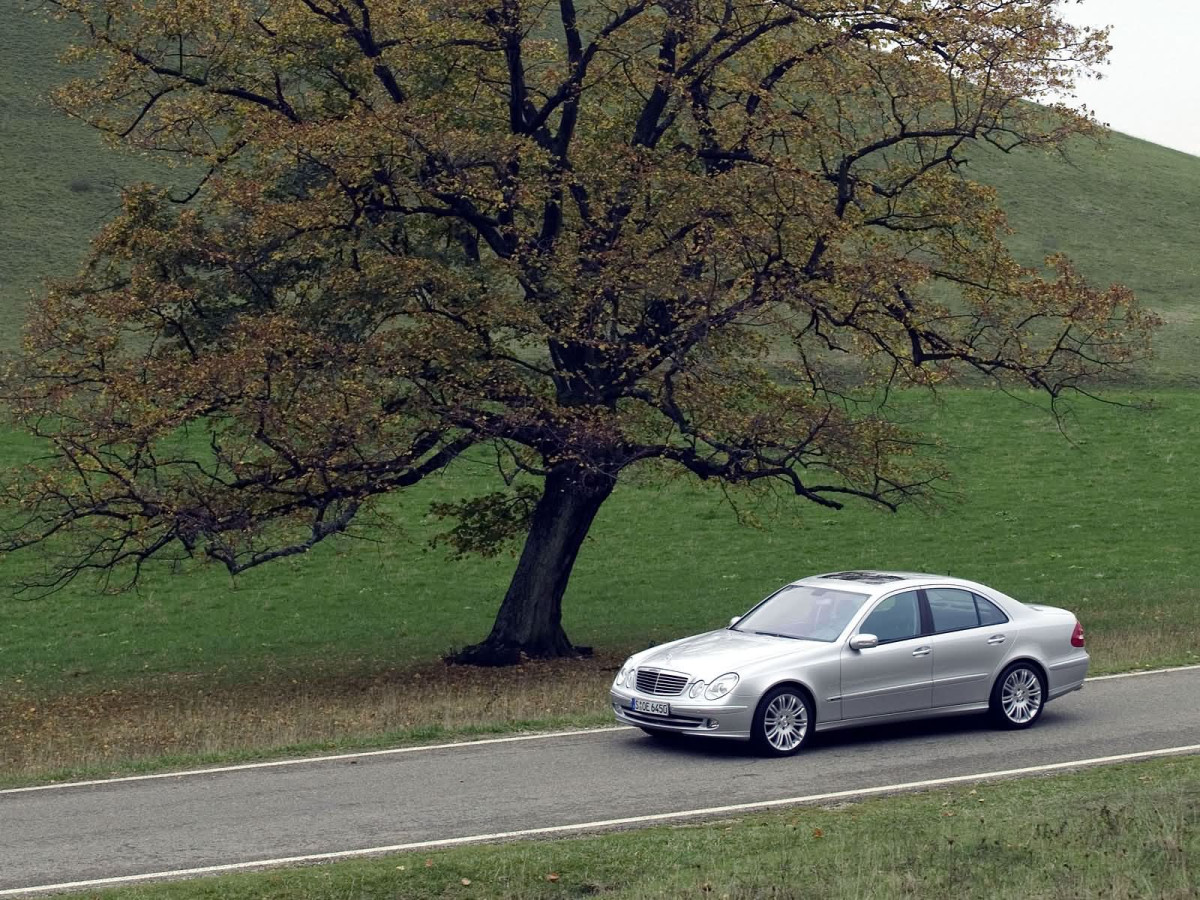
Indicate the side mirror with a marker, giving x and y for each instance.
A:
(734, 621)
(863, 642)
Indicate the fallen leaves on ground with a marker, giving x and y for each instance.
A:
(181, 713)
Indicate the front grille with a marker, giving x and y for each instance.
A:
(652, 681)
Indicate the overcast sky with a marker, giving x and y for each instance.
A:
(1151, 87)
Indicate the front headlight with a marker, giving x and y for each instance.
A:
(721, 686)
(627, 675)
(695, 690)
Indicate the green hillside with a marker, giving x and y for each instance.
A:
(60, 183)
(1123, 210)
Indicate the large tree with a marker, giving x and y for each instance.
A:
(577, 236)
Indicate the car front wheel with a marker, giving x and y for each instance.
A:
(782, 722)
(1019, 696)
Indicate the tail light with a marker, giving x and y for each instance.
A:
(1077, 635)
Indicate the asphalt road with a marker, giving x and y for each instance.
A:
(75, 833)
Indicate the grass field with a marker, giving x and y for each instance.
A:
(1126, 832)
(335, 648)
(1105, 525)
(324, 650)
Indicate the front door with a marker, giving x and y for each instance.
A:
(896, 676)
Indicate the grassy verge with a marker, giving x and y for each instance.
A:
(178, 723)
(1123, 832)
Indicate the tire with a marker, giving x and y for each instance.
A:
(783, 721)
(1018, 696)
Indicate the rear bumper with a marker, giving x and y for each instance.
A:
(1067, 676)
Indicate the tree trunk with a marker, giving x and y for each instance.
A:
(529, 622)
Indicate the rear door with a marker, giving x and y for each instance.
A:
(897, 675)
(971, 637)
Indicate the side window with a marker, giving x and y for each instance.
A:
(895, 619)
(989, 613)
(953, 610)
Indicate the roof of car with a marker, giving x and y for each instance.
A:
(883, 579)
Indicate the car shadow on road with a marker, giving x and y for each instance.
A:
(924, 728)
(861, 737)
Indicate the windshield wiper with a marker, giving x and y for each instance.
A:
(790, 637)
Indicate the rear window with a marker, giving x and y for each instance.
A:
(953, 610)
(989, 612)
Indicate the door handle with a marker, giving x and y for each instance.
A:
(996, 639)
(921, 651)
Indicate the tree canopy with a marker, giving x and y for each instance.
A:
(702, 234)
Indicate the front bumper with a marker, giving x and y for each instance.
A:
(725, 719)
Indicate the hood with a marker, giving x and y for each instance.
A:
(717, 652)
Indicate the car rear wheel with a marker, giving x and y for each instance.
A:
(1018, 696)
(783, 721)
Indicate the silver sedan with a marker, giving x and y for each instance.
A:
(856, 648)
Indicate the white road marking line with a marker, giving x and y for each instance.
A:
(1143, 672)
(395, 751)
(604, 823)
(361, 754)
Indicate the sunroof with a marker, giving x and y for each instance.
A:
(864, 577)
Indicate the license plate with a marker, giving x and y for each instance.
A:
(654, 707)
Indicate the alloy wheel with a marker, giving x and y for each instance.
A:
(785, 722)
(1021, 696)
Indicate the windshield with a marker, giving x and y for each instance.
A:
(803, 612)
